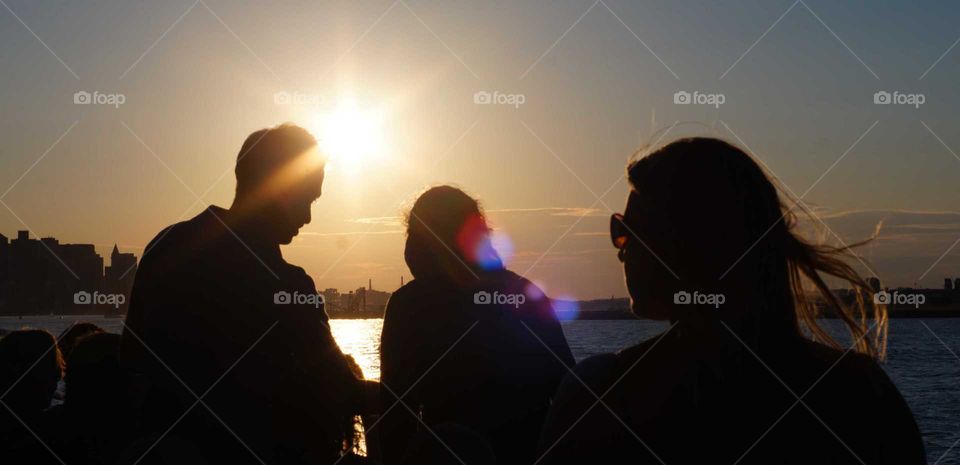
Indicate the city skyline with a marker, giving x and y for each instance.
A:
(43, 275)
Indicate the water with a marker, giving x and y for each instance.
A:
(921, 359)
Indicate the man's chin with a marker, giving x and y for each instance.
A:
(286, 240)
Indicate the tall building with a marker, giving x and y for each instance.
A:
(118, 277)
(4, 271)
(947, 284)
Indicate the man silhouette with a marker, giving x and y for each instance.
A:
(217, 313)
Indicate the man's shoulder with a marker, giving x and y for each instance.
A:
(179, 234)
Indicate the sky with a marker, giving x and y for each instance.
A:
(577, 87)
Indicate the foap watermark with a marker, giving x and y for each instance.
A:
(898, 98)
(97, 298)
(496, 298)
(496, 97)
(298, 98)
(698, 298)
(83, 97)
(898, 298)
(698, 98)
(297, 298)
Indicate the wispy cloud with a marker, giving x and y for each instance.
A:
(554, 211)
(380, 220)
(348, 233)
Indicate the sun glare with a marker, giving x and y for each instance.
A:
(351, 136)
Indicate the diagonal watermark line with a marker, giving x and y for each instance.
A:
(935, 63)
(228, 28)
(938, 260)
(600, 397)
(415, 15)
(444, 244)
(200, 397)
(165, 165)
(815, 15)
(800, 397)
(44, 244)
(37, 161)
(952, 246)
(749, 49)
(40, 40)
(800, 198)
(944, 144)
(835, 36)
(195, 202)
(639, 39)
(154, 44)
(198, 198)
(941, 341)
(800, 202)
(44, 354)
(244, 244)
(598, 199)
(370, 227)
(358, 40)
(41, 441)
(565, 165)
(425, 426)
(425, 373)
(825, 173)
(554, 44)
(947, 452)
(15, 383)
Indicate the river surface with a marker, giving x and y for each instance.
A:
(921, 359)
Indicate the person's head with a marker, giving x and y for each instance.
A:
(704, 225)
(279, 175)
(448, 237)
(72, 335)
(94, 377)
(30, 368)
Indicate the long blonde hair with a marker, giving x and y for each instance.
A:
(708, 201)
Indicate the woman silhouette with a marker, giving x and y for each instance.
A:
(466, 344)
(747, 372)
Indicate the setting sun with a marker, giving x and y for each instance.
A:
(350, 135)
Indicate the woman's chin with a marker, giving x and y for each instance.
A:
(649, 311)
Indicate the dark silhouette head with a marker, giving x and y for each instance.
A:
(30, 368)
(71, 336)
(94, 377)
(702, 216)
(448, 237)
(279, 175)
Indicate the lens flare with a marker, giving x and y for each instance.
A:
(566, 307)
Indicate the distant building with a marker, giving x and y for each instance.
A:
(118, 277)
(44, 276)
(331, 300)
(360, 303)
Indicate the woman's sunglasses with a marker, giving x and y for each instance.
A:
(619, 234)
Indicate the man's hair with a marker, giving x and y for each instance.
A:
(267, 151)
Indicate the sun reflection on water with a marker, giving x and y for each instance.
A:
(360, 339)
